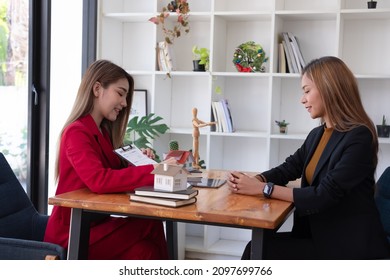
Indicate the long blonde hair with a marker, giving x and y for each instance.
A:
(340, 94)
(105, 72)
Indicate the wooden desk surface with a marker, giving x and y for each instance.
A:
(217, 206)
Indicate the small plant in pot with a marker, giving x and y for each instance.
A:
(282, 126)
(371, 4)
(201, 58)
(383, 129)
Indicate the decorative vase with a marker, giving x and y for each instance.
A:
(371, 4)
(383, 130)
(198, 67)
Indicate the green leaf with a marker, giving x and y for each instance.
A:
(145, 128)
(140, 130)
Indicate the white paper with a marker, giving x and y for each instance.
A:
(134, 155)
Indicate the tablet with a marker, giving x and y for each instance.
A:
(207, 183)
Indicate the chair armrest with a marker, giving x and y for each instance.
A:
(20, 249)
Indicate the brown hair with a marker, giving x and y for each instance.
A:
(340, 94)
(105, 72)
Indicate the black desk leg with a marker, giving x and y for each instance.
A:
(257, 245)
(171, 231)
(79, 235)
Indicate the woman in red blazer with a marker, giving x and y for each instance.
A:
(97, 125)
(335, 214)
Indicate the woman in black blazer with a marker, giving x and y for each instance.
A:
(335, 214)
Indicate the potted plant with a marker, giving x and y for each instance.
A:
(140, 130)
(282, 126)
(371, 4)
(182, 9)
(201, 58)
(383, 129)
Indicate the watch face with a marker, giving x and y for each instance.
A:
(266, 188)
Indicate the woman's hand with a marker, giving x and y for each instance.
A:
(242, 183)
(169, 161)
(148, 152)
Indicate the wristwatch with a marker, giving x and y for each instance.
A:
(268, 189)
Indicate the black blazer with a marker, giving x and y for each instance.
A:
(337, 210)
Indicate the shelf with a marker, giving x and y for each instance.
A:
(129, 17)
(222, 247)
(244, 16)
(289, 136)
(342, 28)
(307, 15)
(364, 14)
(250, 134)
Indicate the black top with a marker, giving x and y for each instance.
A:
(338, 209)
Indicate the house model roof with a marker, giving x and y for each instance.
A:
(181, 156)
(169, 170)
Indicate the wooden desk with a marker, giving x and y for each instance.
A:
(214, 206)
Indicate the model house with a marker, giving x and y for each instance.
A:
(183, 157)
(170, 177)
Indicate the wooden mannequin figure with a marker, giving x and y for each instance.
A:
(197, 123)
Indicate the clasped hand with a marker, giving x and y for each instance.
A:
(242, 183)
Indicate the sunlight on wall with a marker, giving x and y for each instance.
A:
(66, 52)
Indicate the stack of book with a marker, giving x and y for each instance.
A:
(220, 112)
(151, 195)
(290, 56)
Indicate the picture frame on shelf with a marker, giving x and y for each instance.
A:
(138, 107)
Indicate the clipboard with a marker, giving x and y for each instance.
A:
(134, 155)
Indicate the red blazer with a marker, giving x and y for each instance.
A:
(87, 160)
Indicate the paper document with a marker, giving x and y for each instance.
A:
(134, 155)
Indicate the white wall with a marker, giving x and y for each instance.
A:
(66, 52)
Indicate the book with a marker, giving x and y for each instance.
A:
(170, 202)
(295, 44)
(151, 191)
(295, 52)
(228, 114)
(221, 116)
(288, 58)
(134, 155)
(282, 59)
(290, 53)
(213, 119)
(218, 126)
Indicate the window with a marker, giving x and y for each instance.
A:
(66, 52)
(14, 49)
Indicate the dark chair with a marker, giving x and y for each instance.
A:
(382, 199)
(22, 228)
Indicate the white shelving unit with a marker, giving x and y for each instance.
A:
(343, 28)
